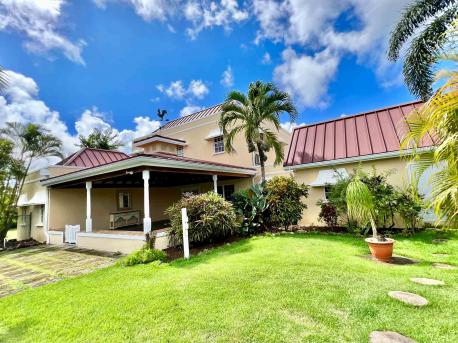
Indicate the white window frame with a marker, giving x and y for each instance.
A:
(180, 151)
(326, 190)
(256, 159)
(121, 202)
(218, 145)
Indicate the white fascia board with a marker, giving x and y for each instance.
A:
(158, 139)
(144, 161)
(372, 157)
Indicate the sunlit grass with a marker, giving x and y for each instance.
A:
(301, 287)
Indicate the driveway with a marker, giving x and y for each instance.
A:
(40, 265)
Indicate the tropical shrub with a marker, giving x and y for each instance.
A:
(328, 213)
(211, 218)
(409, 206)
(284, 197)
(251, 204)
(143, 256)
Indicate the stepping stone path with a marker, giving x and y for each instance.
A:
(409, 298)
(426, 281)
(388, 337)
(444, 266)
(440, 240)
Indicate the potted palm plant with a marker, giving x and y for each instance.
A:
(360, 207)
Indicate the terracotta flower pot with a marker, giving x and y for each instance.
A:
(381, 250)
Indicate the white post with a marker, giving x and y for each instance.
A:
(45, 215)
(215, 183)
(147, 218)
(185, 224)
(88, 207)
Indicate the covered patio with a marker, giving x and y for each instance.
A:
(116, 204)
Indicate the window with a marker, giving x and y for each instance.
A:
(226, 191)
(124, 201)
(24, 215)
(42, 213)
(218, 144)
(180, 151)
(327, 190)
(257, 160)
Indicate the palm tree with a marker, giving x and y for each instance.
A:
(439, 116)
(99, 139)
(360, 203)
(427, 21)
(249, 114)
(32, 141)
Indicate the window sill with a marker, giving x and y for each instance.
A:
(39, 225)
(219, 153)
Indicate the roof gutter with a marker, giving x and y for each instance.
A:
(144, 161)
(381, 156)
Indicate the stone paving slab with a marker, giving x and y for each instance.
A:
(41, 265)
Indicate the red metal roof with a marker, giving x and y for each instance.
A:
(362, 134)
(88, 158)
(191, 117)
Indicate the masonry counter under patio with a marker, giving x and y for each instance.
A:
(116, 203)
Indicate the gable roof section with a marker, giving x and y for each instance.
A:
(362, 135)
(88, 158)
(191, 117)
(155, 137)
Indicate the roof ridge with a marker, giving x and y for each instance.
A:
(359, 114)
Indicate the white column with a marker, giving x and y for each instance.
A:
(185, 227)
(88, 207)
(215, 183)
(147, 218)
(45, 215)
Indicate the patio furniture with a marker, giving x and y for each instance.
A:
(124, 218)
(70, 233)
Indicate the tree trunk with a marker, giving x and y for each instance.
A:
(261, 162)
(374, 228)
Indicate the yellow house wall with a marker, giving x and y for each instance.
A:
(399, 178)
(195, 133)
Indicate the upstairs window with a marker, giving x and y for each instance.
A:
(257, 160)
(180, 152)
(218, 144)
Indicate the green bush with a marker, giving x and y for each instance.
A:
(409, 206)
(142, 256)
(252, 205)
(284, 196)
(211, 218)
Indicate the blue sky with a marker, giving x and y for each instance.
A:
(98, 63)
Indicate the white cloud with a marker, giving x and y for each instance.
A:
(227, 78)
(205, 15)
(196, 88)
(201, 14)
(312, 24)
(20, 103)
(307, 77)
(190, 109)
(266, 59)
(290, 126)
(38, 21)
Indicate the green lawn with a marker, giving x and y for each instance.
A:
(301, 287)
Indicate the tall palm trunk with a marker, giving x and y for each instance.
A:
(261, 162)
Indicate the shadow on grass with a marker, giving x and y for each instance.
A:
(16, 333)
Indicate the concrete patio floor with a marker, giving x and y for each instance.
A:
(40, 265)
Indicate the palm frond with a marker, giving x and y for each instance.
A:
(412, 18)
(423, 53)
